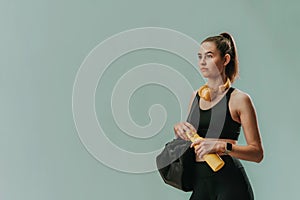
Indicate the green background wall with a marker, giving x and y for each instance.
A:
(43, 44)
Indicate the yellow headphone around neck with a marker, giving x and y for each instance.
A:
(205, 91)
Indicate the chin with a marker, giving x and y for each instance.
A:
(205, 75)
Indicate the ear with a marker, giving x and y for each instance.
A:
(227, 58)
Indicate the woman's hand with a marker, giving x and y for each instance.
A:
(207, 146)
(181, 128)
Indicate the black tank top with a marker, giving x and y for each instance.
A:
(215, 122)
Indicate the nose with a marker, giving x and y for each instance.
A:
(202, 61)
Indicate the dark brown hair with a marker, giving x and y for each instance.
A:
(226, 44)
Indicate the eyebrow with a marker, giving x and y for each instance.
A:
(207, 52)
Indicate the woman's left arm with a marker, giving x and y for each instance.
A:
(253, 151)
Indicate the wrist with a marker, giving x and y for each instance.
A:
(221, 147)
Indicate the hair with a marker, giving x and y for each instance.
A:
(226, 45)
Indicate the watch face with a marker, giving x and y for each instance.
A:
(229, 146)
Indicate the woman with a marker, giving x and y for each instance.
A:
(217, 112)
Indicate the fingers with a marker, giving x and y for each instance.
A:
(200, 152)
(181, 132)
(181, 129)
(190, 126)
(205, 146)
(196, 143)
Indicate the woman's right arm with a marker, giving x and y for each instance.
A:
(181, 127)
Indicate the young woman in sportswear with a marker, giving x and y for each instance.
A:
(217, 111)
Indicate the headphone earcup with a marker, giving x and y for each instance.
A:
(204, 92)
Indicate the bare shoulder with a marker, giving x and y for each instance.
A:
(240, 95)
(193, 96)
(194, 93)
(241, 99)
(191, 100)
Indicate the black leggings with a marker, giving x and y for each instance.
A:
(229, 183)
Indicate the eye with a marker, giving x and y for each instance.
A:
(209, 56)
(200, 57)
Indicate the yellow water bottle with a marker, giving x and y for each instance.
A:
(213, 160)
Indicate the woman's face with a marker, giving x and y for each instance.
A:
(211, 63)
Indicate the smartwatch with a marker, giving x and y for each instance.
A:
(228, 148)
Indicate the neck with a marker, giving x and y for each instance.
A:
(214, 83)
